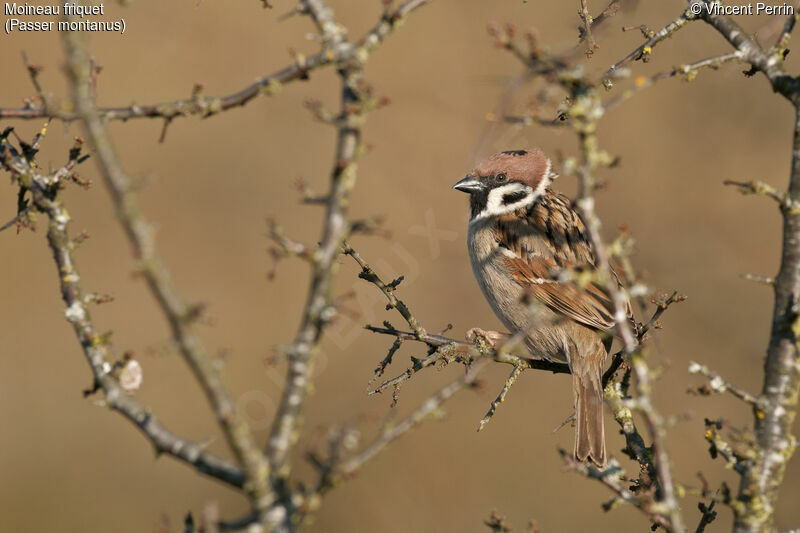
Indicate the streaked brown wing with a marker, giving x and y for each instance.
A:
(589, 306)
(535, 266)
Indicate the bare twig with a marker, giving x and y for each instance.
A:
(760, 188)
(237, 431)
(643, 51)
(97, 352)
(430, 406)
(512, 378)
(17, 218)
(270, 84)
(350, 59)
(786, 32)
(203, 106)
(586, 19)
(661, 308)
(708, 515)
(610, 476)
(719, 385)
(688, 71)
(765, 280)
(367, 274)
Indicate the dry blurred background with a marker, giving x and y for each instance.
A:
(68, 465)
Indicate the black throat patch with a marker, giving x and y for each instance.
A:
(477, 202)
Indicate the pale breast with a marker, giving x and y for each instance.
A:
(497, 285)
(547, 337)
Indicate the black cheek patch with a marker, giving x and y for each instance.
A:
(514, 197)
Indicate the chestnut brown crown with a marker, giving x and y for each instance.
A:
(506, 181)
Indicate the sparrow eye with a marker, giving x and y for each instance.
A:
(501, 177)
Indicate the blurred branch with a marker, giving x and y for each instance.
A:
(644, 51)
(584, 120)
(17, 218)
(609, 11)
(179, 316)
(205, 106)
(611, 477)
(45, 198)
(354, 104)
(498, 523)
(688, 71)
(719, 385)
(587, 20)
(760, 188)
(786, 32)
(428, 407)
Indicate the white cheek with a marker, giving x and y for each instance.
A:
(495, 205)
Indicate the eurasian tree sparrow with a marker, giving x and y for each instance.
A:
(521, 236)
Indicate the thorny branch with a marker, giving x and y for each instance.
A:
(44, 191)
(319, 310)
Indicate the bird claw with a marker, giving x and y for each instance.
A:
(490, 338)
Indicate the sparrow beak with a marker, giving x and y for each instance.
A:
(468, 185)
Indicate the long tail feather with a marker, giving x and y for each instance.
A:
(590, 440)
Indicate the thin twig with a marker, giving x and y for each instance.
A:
(369, 275)
(350, 59)
(760, 188)
(586, 19)
(643, 51)
(783, 39)
(428, 407)
(720, 385)
(512, 378)
(610, 476)
(17, 218)
(689, 71)
(440, 341)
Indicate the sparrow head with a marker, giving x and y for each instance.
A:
(506, 182)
